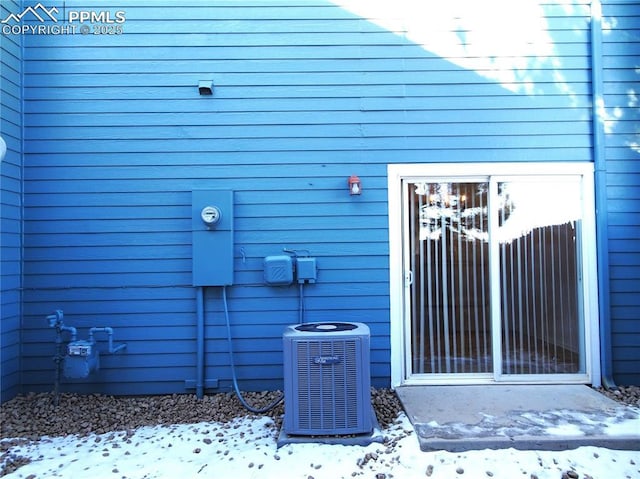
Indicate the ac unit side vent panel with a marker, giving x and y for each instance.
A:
(327, 395)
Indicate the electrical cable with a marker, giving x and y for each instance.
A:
(301, 314)
(233, 366)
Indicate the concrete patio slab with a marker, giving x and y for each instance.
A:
(528, 417)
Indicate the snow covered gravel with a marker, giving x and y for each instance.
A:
(245, 447)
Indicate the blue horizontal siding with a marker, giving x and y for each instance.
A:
(10, 209)
(372, 130)
(312, 102)
(621, 77)
(138, 35)
(244, 52)
(236, 99)
(289, 118)
(305, 94)
(418, 77)
(459, 141)
(424, 62)
(369, 157)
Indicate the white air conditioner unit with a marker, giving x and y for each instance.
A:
(327, 379)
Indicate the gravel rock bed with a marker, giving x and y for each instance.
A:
(32, 416)
(625, 394)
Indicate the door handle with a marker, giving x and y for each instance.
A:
(408, 278)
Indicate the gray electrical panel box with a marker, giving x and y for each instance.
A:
(212, 237)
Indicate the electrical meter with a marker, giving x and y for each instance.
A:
(210, 215)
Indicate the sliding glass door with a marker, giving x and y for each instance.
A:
(493, 270)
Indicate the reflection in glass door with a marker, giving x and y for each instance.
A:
(538, 242)
(451, 317)
(495, 288)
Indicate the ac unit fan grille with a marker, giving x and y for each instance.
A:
(328, 384)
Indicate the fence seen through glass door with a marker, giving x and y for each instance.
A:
(539, 277)
(451, 319)
(455, 231)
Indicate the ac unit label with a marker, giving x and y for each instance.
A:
(326, 360)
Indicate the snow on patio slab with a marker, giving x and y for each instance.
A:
(246, 448)
(550, 417)
(623, 423)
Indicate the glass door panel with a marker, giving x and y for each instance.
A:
(540, 285)
(450, 329)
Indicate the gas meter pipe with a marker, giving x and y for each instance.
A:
(55, 321)
(109, 331)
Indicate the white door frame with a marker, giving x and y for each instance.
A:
(400, 279)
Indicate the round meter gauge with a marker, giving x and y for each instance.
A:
(210, 215)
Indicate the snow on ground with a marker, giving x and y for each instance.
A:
(246, 448)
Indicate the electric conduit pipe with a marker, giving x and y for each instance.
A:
(200, 343)
(232, 364)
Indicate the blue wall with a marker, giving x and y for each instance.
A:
(621, 80)
(117, 137)
(10, 209)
